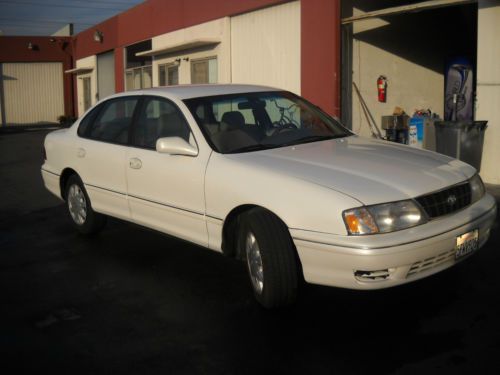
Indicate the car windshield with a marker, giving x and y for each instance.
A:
(261, 120)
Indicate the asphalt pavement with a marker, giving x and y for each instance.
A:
(131, 300)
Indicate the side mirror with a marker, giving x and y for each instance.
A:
(175, 146)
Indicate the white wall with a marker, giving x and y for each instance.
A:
(488, 86)
(87, 62)
(410, 85)
(265, 47)
(217, 29)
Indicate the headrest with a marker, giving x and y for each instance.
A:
(232, 120)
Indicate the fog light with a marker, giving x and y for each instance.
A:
(371, 276)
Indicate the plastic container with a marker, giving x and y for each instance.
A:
(416, 133)
(462, 140)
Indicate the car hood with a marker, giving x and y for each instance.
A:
(371, 171)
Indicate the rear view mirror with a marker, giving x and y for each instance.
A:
(254, 104)
(175, 146)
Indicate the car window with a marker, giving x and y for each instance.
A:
(260, 120)
(113, 121)
(158, 118)
(85, 123)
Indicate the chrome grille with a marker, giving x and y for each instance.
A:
(446, 201)
(431, 262)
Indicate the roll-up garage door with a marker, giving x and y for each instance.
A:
(33, 92)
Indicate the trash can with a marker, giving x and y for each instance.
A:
(462, 140)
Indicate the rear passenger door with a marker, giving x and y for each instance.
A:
(166, 192)
(102, 154)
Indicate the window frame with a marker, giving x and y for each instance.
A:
(202, 59)
(138, 111)
(133, 71)
(96, 111)
(166, 67)
(87, 78)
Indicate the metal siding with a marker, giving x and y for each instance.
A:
(265, 47)
(106, 74)
(33, 92)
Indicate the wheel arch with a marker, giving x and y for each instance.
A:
(230, 225)
(65, 175)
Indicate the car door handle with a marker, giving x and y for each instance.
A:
(81, 153)
(135, 163)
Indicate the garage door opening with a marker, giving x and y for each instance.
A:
(411, 49)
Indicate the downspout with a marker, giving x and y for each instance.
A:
(2, 101)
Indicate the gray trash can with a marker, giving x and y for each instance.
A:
(462, 140)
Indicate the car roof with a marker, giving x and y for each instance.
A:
(195, 91)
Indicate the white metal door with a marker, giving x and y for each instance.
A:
(105, 74)
(33, 92)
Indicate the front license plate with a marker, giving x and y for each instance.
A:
(467, 243)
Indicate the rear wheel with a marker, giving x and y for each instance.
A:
(83, 217)
(271, 258)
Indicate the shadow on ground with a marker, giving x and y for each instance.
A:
(132, 301)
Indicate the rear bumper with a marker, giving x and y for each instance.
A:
(51, 182)
(394, 258)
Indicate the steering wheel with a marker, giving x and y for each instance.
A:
(278, 128)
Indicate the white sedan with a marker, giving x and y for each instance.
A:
(263, 175)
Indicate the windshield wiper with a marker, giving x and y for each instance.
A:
(314, 138)
(255, 147)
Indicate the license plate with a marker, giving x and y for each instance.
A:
(467, 243)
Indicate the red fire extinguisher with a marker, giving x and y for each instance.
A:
(382, 89)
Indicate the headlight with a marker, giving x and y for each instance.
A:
(383, 218)
(476, 188)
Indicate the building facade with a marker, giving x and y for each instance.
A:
(294, 45)
(33, 86)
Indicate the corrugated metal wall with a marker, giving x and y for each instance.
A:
(33, 92)
(265, 47)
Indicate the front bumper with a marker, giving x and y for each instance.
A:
(385, 260)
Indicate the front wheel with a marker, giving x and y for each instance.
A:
(271, 258)
(83, 217)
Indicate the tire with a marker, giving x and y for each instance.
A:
(271, 258)
(84, 218)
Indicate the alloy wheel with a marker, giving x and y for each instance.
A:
(77, 204)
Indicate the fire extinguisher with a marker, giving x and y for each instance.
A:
(382, 89)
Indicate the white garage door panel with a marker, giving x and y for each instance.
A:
(34, 92)
(265, 47)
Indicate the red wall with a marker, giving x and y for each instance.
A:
(120, 68)
(156, 17)
(15, 49)
(320, 53)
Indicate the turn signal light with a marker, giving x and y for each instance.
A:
(359, 221)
